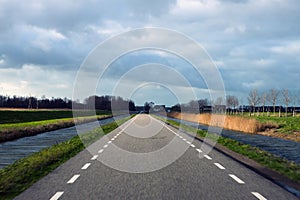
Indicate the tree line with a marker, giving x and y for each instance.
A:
(97, 102)
(269, 101)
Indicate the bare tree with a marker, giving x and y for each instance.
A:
(229, 103)
(219, 105)
(263, 100)
(253, 99)
(272, 97)
(286, 100)
(235, 103)
(294, 101)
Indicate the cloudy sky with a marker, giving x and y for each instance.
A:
(255, 44)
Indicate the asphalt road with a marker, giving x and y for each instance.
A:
(146, 159)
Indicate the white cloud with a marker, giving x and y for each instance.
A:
(37, 81)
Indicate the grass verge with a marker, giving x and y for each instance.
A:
(19, 176)
(282, 166)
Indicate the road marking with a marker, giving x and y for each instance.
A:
(199, 150)
(112, 139)
(105, 146)
(101, 150)
(73, 179)
(86, 166)
(193, 146)
(258, 196)
(219, 166)
(109, 142)
(57, 195)
(94, 157)
(189, 142)
(207, 157)
(238, 180)
(180, 137)
(184, 139)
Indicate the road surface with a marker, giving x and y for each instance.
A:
(146, 159)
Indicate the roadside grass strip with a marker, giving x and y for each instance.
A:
(283, 166)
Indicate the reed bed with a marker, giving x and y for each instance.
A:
(237, 123)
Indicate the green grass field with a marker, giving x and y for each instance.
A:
(286, 124)
(20, 116)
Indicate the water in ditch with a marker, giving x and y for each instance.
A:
(284, 148)
(14, 150)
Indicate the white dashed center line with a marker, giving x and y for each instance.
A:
(207, 157)
(258, 196)
(101, 150)
(86, 166)
(94, 157)
(73, 179)
(105, 146)
(193, 146)
(219, 166)
(109, 142)
(238, 180)
(189, 142)
(199, 150)
(57, 196)
(112, 139)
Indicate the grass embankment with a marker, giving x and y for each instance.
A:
(19, 176)
(282, 166)
(27, 123)
(237, 123)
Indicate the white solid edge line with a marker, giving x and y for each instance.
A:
(207, 157)
(101, 150)
(238, 180)
(94, 157)
(86, 166)
(258, 196)
(73, 179)
(219, 166)
(199, 150)
(56, 196)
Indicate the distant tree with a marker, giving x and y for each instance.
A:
(286, 100)
(202, 103)
(272, 97)
(232, 102)
(235, 103)
(263, 101)
(229, 103)
(219, 105)
(147, 107)
(253, 99)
